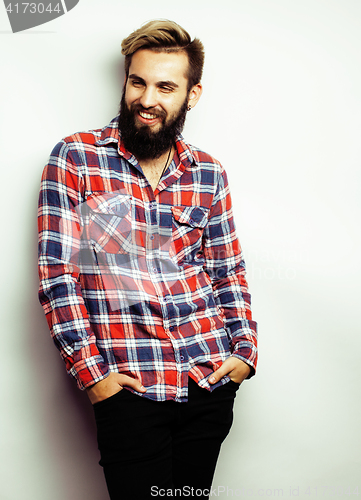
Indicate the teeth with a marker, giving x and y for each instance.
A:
(148, 116)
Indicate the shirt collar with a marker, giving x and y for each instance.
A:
(110, 134)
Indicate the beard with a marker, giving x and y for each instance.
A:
(141, 141)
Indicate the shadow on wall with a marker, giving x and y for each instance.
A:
(67, 423)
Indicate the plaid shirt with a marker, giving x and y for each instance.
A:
(148, 284)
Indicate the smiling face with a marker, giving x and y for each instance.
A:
(154, 102)
(156, 86)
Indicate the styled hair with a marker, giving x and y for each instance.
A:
(162, 35)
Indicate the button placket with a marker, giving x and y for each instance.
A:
(151, 221)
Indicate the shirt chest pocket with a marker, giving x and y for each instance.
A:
(188, 227)
(108, 224)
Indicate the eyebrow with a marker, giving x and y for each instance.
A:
(168, 83)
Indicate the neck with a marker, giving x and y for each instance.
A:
(154, 168)
(157, 162)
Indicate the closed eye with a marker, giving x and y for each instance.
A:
(166, 89)
(167, 86)
(137, 83)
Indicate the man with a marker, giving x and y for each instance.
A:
(142, 277)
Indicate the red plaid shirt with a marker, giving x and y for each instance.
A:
(148, 284)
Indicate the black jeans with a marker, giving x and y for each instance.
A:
(148, 447)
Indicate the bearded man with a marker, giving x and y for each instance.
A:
(142, 277)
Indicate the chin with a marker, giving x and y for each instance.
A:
(151, 130)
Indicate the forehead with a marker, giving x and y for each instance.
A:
(160, 66)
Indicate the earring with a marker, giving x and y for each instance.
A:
(189, 107)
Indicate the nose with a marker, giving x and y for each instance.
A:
(148, 98)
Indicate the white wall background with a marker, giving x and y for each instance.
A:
(281, 109)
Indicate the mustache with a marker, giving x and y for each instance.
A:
(135, 108)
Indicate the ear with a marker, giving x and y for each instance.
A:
(195, 94)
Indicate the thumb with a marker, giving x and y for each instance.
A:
(217, 375)
(131, 382)
(136, 384)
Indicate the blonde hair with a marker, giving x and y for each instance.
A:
(162, 35)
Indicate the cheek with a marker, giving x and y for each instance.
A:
(131, 95)
(173, 108)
